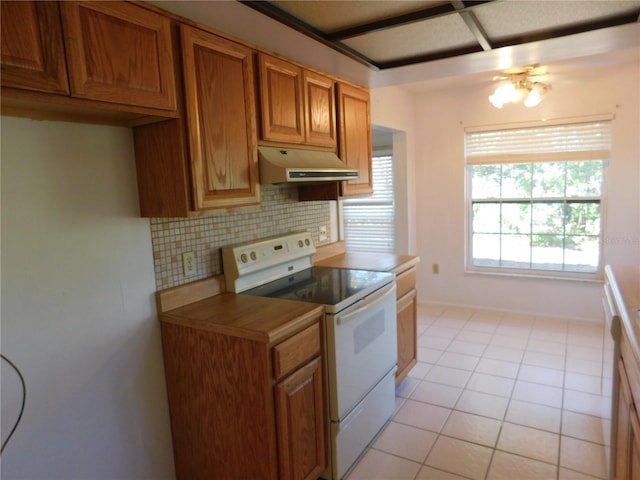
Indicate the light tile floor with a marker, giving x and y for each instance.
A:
(498, 396)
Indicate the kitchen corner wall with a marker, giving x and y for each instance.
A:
(279, 213)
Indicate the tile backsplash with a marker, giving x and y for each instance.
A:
(279, 213)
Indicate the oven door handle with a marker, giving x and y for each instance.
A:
(366, 303)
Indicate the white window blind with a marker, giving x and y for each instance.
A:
(369, 221)
(534, 197)
(553, 143)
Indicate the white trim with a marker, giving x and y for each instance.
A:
(587, 277)
(574, 156)
(540, 123)
(507, 311)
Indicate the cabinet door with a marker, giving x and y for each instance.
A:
(32, 47)
(219, 93)
(300, 424)
(634, 451)
(627, 439)
(320, 112)
(354, 133)
(118, 52)
(281, 100)
(407, 317)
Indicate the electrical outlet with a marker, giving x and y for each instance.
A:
(322, 233)
(435, 268)
(189, 264)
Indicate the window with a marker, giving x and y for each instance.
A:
(369, 221)
(534, 198)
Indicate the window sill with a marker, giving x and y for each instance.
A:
(538, 275)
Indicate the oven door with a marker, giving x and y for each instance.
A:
(361, 349)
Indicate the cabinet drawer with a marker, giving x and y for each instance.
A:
(405, 282)
(296, 350)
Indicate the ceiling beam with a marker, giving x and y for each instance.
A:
(473, 24)
(270, 10)
(428, 57)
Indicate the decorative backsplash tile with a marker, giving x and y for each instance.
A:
(279, 213)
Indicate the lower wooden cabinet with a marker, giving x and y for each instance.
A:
(407, 307)
(299, 407)
(243, 409)
(407, 319)
(627, 455)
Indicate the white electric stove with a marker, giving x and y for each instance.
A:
(360, 332)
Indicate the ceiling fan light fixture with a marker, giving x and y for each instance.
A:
(505, 93)
(519, 89)
(533, 99)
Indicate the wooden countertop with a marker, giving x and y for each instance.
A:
(262, 319)
(382, 262)
(203, 304)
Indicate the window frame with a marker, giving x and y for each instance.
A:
(534, 272)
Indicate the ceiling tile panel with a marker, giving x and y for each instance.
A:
(415, 39)
(519, 18)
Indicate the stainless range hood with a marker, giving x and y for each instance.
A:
(294, 165)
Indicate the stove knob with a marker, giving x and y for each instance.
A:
(300, 243)
(243, 258)
(253, 256)
(306, 242)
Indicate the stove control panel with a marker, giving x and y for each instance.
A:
(250, 264)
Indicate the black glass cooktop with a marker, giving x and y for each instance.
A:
(336, 288)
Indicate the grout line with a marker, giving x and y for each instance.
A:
(465, 388)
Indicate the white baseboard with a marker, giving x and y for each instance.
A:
(590, 321)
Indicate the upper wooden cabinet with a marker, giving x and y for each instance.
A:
(281, 100)
(320, 112)
(297, 105)
(209, 159)
(189, 94)
(219, 94)
(32, 47)
(354, 133)
(118, 52)
(98, 62)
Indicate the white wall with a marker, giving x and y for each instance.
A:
(393, 107)
(78, 313)
(441, 120)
